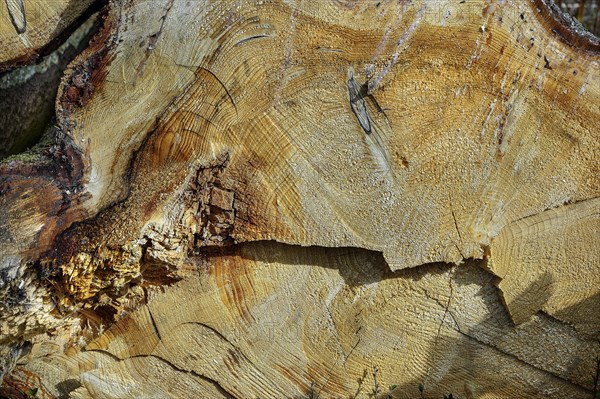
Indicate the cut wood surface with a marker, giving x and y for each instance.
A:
(29, 27)
(267, 320)
(563, 240)
(246, 198)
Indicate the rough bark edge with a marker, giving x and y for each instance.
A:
(564, 26)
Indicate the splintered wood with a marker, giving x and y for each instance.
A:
(272, 196)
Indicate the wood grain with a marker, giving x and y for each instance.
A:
(29, 28)
(272, 193)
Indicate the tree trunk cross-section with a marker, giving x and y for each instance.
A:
(247, 199)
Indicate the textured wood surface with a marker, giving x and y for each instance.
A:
(29, 27)
(474, 124)
(266, 194)
(267, 320)
(540, 257)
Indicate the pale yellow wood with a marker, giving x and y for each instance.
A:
(550, 261)
(467, 136)
(266, 320)
(250, 196)
(28, 26)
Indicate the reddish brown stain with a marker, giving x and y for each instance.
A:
(488, 39)
(231, 279)
(91, 67)
(23, 380)
(47, 190)
(301, 381)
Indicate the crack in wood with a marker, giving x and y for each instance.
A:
(567, 204)
(213, 382)
(154, 38)
(446, 311)
(358, 104)
(457, 231)
(222, 85)
(154, 323)
(224, 338)
(250, 38)
(521, 361)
